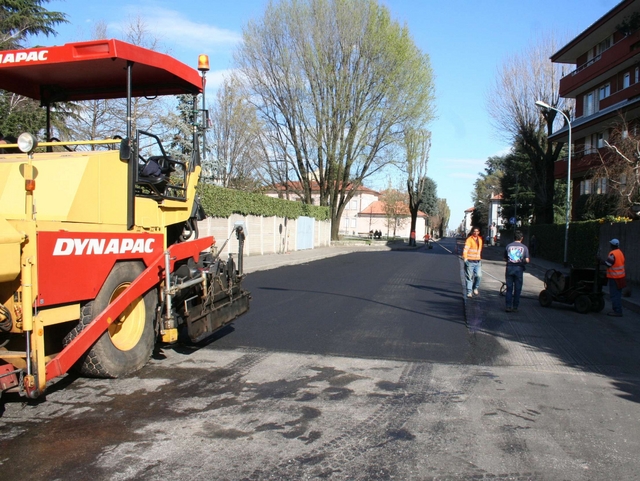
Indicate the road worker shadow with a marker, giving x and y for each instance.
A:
(436, 290)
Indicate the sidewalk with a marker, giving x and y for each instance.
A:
(534, 276)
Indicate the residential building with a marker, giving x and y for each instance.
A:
(495, 211)
(374, 218)
(466, 222)
(606, 87)
(364, 212)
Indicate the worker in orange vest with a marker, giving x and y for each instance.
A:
(617, 277)
(472, 256)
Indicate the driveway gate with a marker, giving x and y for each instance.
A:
(304, 234)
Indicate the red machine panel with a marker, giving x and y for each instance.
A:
(72, 266)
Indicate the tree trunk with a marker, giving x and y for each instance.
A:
(335, 229)
(414, 219)
(336, 214)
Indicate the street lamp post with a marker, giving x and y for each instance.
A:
(544, 105)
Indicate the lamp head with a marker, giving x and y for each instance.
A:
(542, 104)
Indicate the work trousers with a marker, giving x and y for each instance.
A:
(513, 278)
(616, 296)
(472, 274)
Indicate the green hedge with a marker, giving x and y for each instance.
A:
(221, 202)
(582, 246)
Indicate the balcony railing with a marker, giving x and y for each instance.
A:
(602, 64)
(585, 65)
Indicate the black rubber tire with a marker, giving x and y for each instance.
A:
(104, 359)
(582, 304)
(544, 298)
(597, 303)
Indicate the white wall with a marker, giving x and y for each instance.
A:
(265, 235)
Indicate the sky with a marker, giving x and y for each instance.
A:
(467, 42)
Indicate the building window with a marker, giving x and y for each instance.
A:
(604, 45)
(593, 186)
(589, 104)
(626, 81)
(637, 75)
(600, 186)
(605, 91)
(588, 144)
(354, 204)
(353, 222)
(601, 137)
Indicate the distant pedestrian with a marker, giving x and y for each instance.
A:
(472, 256)
(617, 277)
(493, 233)
(517, 256)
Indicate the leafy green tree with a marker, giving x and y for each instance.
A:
(19, 114)
(485, 187)
(181, 123)
(517, 187)
(335, 82)
(20, 19)
(429, 196)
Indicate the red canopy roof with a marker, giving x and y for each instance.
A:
(94, 70)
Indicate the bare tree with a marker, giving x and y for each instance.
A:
(395, 208)
(99, 119)
(523, 79)
(417, 144)
(442, 221)
(619, 168)
(147, 113)
(235, 136)
(92, 119)
(334, 81)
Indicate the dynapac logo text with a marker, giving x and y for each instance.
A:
(78, 247)
(26, 56)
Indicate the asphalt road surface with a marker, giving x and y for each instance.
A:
(363, 366)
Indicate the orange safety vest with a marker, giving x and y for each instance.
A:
(472, 249)
(616, 271)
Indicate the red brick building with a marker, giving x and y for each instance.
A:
(606, 87)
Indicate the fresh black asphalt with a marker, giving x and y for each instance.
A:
(403, 305)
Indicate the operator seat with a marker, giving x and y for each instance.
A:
(154, 174)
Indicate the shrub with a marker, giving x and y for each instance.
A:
(582, 246)
(221, 202)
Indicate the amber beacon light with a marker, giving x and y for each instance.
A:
(203, 63)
